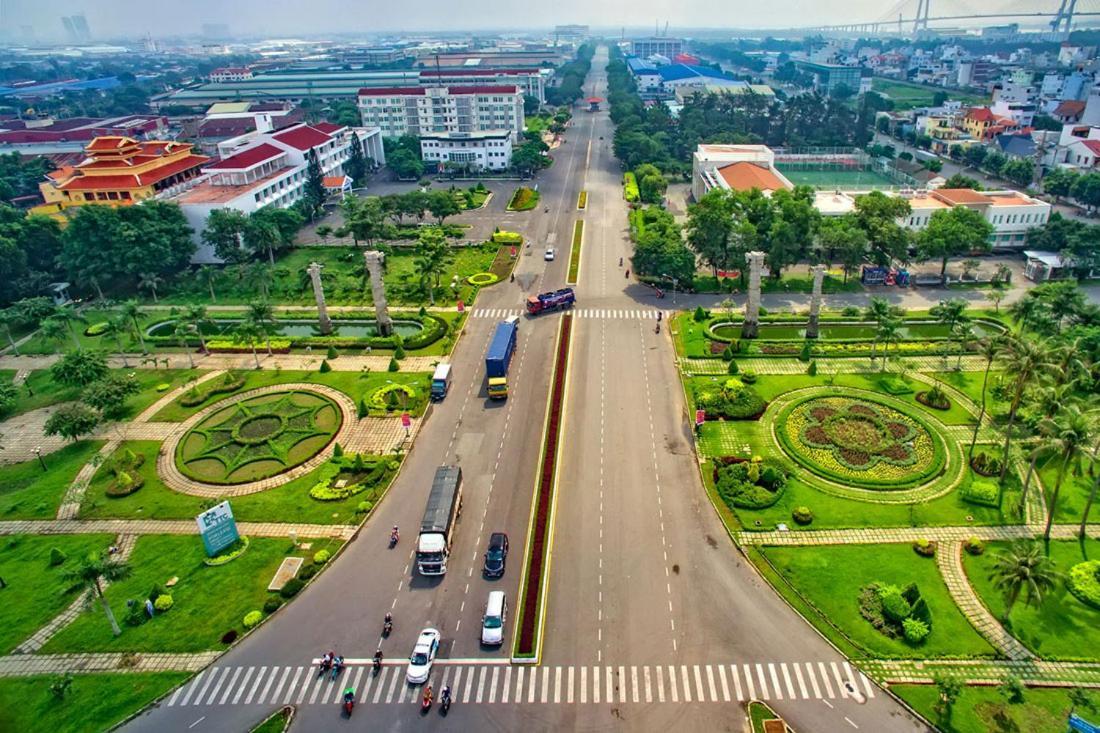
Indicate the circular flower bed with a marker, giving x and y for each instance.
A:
(860, 442)
(1084, 582)
(483, 278)
(258, 437)
(381, 399)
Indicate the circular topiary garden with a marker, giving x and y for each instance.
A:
(482, 279)
(860, 441)
(258, 437)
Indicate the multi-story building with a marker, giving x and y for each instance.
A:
(71, 135)
(1011, 213)
(1015, 98)
(474, 151)
(981, 123)
(120, 171)
(827, 77)
(231, 73)
(271, 169)
(456, 109)
(657, 46)
(571, 32)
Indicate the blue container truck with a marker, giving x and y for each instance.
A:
(499, 357)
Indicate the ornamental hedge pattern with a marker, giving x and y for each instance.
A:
(860, 441)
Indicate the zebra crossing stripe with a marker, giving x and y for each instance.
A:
(569, 694)
(736, 683)
(825, 678)
(648, 688)
(725, 687)
(221, 681)
(660, 685)
(672, 683)
(801, 682)
(622, 684)
(687, 685)
(787, 679)
(839, 683)
(710, 683)
(813, 679)
(507, 684)
(752, 688)
(244, 684)
(393, 686)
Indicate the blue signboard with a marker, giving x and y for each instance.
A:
(1082, 726)
(217, 528)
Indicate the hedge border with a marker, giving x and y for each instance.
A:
(575, 252)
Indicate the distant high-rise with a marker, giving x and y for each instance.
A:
(76, 28)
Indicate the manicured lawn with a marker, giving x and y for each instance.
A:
(39, 345)
(831, 579)
(28, 492)
(42, 390)
(35, 591)
(208, 601)
(1062, 627)
(356, 385)
(758, 713)
(1074, 493)
(906, 95)
(95, 702)
(275, 724)
(290, 502)
(1042, 711)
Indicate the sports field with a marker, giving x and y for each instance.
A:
(832, 179)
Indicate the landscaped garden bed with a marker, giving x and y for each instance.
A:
(575, 252)
(529, 640)
(524, 199)
(984, 709)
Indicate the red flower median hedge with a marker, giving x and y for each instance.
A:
(543, 500)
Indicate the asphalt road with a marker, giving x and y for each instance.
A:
(654, 619)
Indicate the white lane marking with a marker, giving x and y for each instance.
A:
(660, 684)
(194, 686)
(775, 681)
(752, 686)
(507, 684)
(229, 687)
(292, 677)
(202, 693)
(519, 685)
(244, 684)
(736, 683)
(672, 684)
(196, 722)
(849, 721)
(595, 684)
(839, 682)
(321, 680)
(610, 682)
(366, 687)
(725, 687)
(813, 679)
(270, 681)
(221, 681)
(622, 684)
(481, 683)
(393, 686)
(545, 683)
(634, 683)
(687, 684)
(176, 694)
(825, 678)
(787, 679)
(493, 685)
(867, 686)
(710, 684)
(382, 683)
(469, 690)
(355, 684)
(700, 696)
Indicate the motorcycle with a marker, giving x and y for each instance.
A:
(377, 662)
(660, 293)
(324, 666)
(445, 701)
(387, 625)
(426, 701)
(337, 667)
(349, 701)
(394, 537)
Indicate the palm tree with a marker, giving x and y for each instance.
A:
(247, 333)
(262, 316)
(1070, 433)
(1092, 493)
(877, 310)
(964, 332)
(131, 311)
(116, 326)
(8, 317)
(425, 269)
(207, 273)
(1069, 362)
(195, 317)
(1024, 360)
(1028, 311)
(952, 314)
(150, 281)
(1023, 569)
(990, 348)
(54, 331)
(89, 574)
(182, 331)
(261, 273)
(889, 332)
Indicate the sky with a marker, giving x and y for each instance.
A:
(115, 18)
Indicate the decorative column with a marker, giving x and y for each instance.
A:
(323, 321)
(815, 301)
(752, 309)
(374, 260)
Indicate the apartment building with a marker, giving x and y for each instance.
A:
(420, 111)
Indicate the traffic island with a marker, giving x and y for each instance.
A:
(575, 254)
(527, 647)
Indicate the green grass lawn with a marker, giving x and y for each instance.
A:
(1062, 627)
(907, 95)
(356, 385)
(1074, 494)
(1042, 711)
(41, 390)
(290, 502)
(274, 724)
(970, 384)
(95, 702)
(831, 578)
(758, 713)
(209, 601)
(35, 591)
(786, 284)
(39, 345)
(28, 492)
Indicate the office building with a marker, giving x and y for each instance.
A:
(828, 77)
(471, 151)
(657, 46)
(419, 111)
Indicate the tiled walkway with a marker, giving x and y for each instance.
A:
(23, 665)
(168, 526)
(871, 536)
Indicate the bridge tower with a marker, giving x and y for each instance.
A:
(920, 22)
(1064, 16)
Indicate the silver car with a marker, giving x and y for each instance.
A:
(420, 663)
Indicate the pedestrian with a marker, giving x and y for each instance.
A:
(658, 316)
(620, 262)
(628, 274)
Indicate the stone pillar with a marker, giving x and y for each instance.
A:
(374, 260)
(752, 308)
(815, 301)
(323, 321)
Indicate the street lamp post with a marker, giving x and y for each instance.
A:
(38, 455)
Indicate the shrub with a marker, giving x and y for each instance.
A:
(924, 547)
(934, 398)
(163, 603)
(291, 588)
(915, 631)
(363, 507)
(986, 464)
(727, 353)
(229, 637)
(812, 370)
(503, 237)
(894, 605)
(732, 400)
(700, 314)
(399, 352)
(524, 199)
(733, 368)
(135, 614)
(273, 604)
(802, 515)
(983, 493)
(974, 546)
(483, 278)
(806, 352)
(337, 450)
(747, 485)
(748, 376)
(1084, 582)
(252, 618)
(308, 571)
(895, 386)
(1012, 689)
(630, 187)
(332, 353)
(97, 329)
(56, 557)
(321, 557)
(850, 311)
(394, 366)
(325, 367)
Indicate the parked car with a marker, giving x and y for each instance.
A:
(496, 555)
(423, 655)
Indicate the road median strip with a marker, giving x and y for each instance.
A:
(527, 647)
(575, 253)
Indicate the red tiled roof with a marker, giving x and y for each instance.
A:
(110, 143)
(334, 181)
(1092, 145)
(744, 176)
(475, 72)
(980, 114)
(247, 158)
(484, 89)
(391, 91)
(95, 183)
(303, 137)
(328, 127)
(1069, 108)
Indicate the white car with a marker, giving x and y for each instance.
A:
(420, 663)
(549, 254)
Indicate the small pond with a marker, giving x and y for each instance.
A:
(345, 327)
(913, 330)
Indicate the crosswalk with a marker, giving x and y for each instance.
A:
(617, 314)
(502, 684)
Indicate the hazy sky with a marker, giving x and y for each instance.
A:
(109, 18)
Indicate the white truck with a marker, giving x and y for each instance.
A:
(433, 545)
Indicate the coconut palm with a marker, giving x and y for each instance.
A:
(1024, 360)
(1028, 311)
(964, 332)
(131, 311)
(182, 332)
(150, 281)
(247, 332)
(1070, 432)
(262, 273)
(207, 273)
(1093, 492)
(8, 318)
(195, 317)
(1069, 362)
(990, 348)
(54, 331)
(262, 315)
(88, 576)
(1023, 568)
(952, 314)
(889, 332)
(116, 326)
(877, 310)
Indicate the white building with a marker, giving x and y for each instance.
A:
(734, 167)
(1016, 99)
(1084, 154)
(230, 73)
(271, 170)
(419, 111)
(486, 150)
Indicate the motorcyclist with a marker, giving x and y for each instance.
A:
(620, 262)
(378, 659)
(658, 329)
(337, 665)
(658, 316)
(394, 534)
(445, 694)
(427, 700)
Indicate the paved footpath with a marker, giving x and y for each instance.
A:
(984, 671)
(908, 534)
(169, 526)
(23, 665)
(244, 362)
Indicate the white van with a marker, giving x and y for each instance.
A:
(441, 382)
(492, 623)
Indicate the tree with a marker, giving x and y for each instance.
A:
(149, 281)
(88, 575)
(79, 368)
(990, 348)
(72, 421)
(651, 183)
(660, 252)
(794, 226)
(1059, 182)
(934, 165)
(271, 229)
(54, 331)
(841, 240)
(10, 317)
(1086, 189)
(960, 181)
(261, 315)
(432, 254)
(208, 273)
(1023, 568)
(889, 332)
(109, 395)
(710, 227)
(528, 158)
(405, 164)
(1022, 360)
(182, 331)
(195, 317)
(877, 215)
(131, 311)
(974, 155)
(1071, 431)
(877, 310)
(313, 193)
(952, 314)
(1019, 171)
(69, 317)
(952, 232)
(248, 333)
(442, 204)
(356, 165)
(994, 162)
(116, 326)
(364, 218)
(997, 292)
(224, 233)
(948, 688)
(1029, 311)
